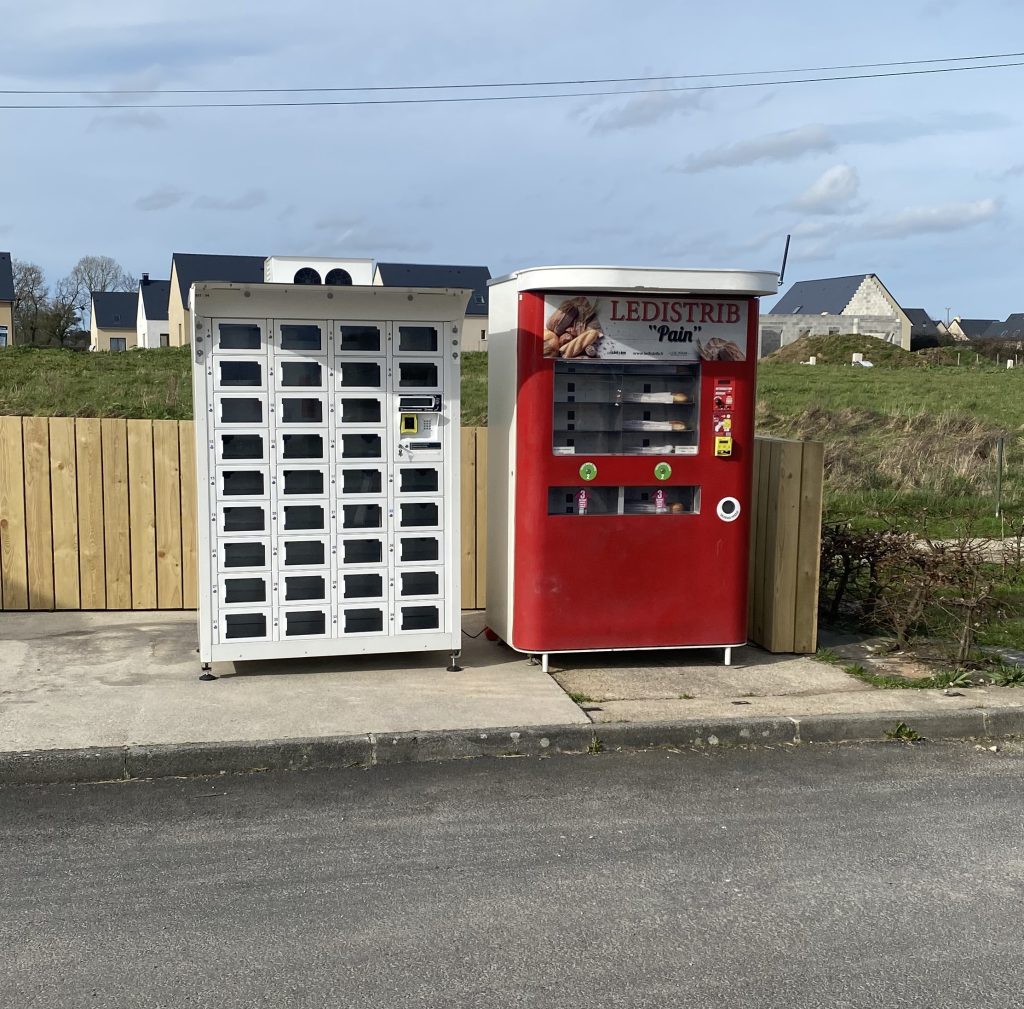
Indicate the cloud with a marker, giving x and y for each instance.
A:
(932, 220)
(646, 110)
(902, 129)
(834, 192)
(788, 145)
(244, 201)
(132, 119)
(354, 236)
(161, 198)
(1013, 171)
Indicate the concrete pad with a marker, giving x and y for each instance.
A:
(634, 676)
(74, 679)
(808, 705)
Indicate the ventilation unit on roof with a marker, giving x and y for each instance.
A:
(315, 270)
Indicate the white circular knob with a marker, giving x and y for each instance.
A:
(728, 509)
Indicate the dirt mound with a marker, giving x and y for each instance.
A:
(840, 350)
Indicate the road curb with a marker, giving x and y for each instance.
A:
(180, 760)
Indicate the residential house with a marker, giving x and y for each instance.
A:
(6, 300)
(153, 329)
(834, 306)
(969, 329)
(188, 269)
(1010, 330)
(114, 319)
(474, 329)
(924, 330)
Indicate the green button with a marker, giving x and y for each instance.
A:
(588, 471)
(663, 471)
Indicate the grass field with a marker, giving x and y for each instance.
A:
(905, 440)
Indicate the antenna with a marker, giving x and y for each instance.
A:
(785, 256)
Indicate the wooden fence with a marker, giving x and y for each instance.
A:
(101, 514)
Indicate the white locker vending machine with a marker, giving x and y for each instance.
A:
(327, 454)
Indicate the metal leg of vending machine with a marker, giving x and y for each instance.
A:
(206, 673)
(453, 666)
(728, 656)
(544, 662)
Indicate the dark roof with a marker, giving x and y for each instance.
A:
(1011, 329)
(155, 295)
(115, 310)
(922, 324)
(193, 269)
(974, 329)
(428, 275)
(819, 297)
(6, 277)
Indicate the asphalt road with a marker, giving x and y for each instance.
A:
(856, 876)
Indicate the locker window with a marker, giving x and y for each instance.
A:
(241, 411)
(362, 552)
(362, 446)
(300, 622)
(244, 520)
(238, 336)
(420, 514)
(301, 411)
(421, 481)
(303, 517)
(303, 481)
(417, 375)
(308, 337)
(362, 516)
(420, 548)
(420, 583)
(245, 590)
(364, 621)
(361, 481)
(417, 339)
(368, 586)
(245, 625)
(245, 555)
(243, 481)
(359, 339)
(304, 553)
(420, 618)
(303, 446)
(236, 374)
(360, 374)
(360, 411)
(299, 588)
(301, 373)
(242, 446)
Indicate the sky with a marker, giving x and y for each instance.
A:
(917, 178)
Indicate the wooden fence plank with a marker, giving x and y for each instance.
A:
(167, 486)
(142, 514)
(189, 533)
(761, 582)
(13, 553)
(754, 507)
(808, 564)
(64, 492)
(787, 532)
(467, 495)
(116, 522)
(481, 518)
(89, 475)
(38, 520)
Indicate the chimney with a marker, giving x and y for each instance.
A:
(145, 278)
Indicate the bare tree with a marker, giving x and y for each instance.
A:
(63, 314)
(96, 273)
(30, 304)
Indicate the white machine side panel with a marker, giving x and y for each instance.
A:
(502, 341)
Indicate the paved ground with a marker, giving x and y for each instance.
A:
(849, 877)
(75, 680)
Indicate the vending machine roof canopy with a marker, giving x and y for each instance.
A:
(751, 283)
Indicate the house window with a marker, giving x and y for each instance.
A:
(165, 339)
(118, 343)
(3, 336)
(483, 334)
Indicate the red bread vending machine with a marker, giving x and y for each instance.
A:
(620, 441)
